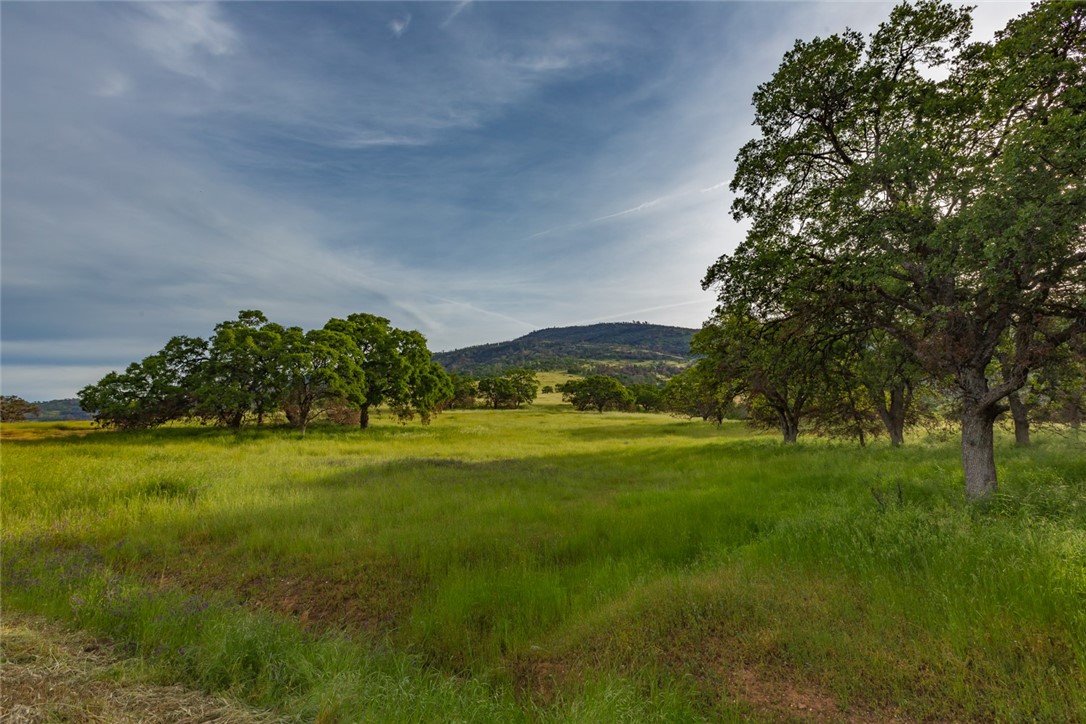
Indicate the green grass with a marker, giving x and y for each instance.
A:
(547, 565)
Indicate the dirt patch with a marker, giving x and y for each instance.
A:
(790, 700)
(50, 674)
(371, 598)
(372, 601)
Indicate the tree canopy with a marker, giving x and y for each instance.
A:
(511, 388)
(253, 368)
(916, 183)
(15, 409)
(598, 392)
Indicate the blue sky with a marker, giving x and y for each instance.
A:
(473, 170)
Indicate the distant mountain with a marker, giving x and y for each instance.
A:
(633, 350)
(58, 410)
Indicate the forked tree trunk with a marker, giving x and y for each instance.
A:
(893, 415)
(1020, 413)
(789, 427)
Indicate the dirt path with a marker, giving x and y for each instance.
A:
(49, 674)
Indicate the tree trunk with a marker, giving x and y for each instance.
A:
(1074, 414)
(978, 453)
(1020, 413)
(897, 433)
(789, 427)
(364, 416)
(235, 421)
(893, 415)
(304, 410)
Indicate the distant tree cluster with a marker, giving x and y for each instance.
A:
(510, 389)
(916, 213)
(597, 392)
(16, 409)
(252, 368)
(603, 392)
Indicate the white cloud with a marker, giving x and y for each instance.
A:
(346, 178)
(181, 36)
(399, 26)
(460, 7)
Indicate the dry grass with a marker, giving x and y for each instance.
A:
(49, 674)
(46, 430)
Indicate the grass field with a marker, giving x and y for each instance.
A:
(542, 564)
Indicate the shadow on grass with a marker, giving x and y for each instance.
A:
(472, 564)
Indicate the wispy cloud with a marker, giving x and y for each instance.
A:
(459, 8)
(182, 36)
(168, 164)
(528, 326)
(399, 25)
(632, 210)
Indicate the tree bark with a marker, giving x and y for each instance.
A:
(364, 416)
(978, 453)
(893, 415)
(1020, 413)
(981, 405)
(1074, 414)
(789, 427)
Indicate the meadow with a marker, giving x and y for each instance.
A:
(548, 565)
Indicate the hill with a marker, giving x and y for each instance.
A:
(60, 410)
(633, 350)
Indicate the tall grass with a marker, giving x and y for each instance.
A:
(544, 564)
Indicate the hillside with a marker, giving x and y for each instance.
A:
(630, 349)
(60, 410)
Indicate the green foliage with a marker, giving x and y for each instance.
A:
(149, 393)
(15, 409)
(398, 368)
(598, 392)
(465, 390)
(698, 392)
(428, 385)
(254, 368)
(244, 372)
(317, 366)
(647, 397)
(510, 389)
(918, 184)
(776, 365)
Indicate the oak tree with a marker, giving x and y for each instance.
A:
(929, 187)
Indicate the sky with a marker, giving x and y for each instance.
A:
(472, 170)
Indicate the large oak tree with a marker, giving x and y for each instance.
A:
(928, 187)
